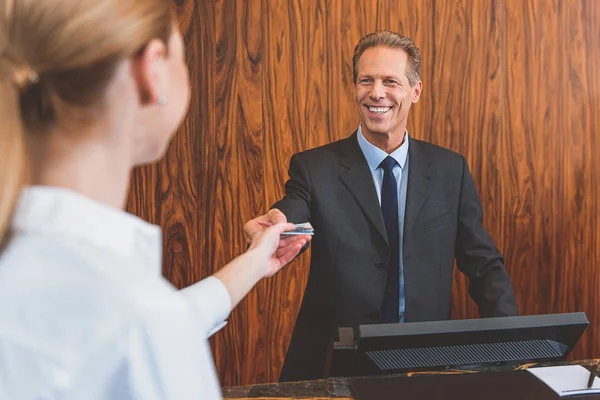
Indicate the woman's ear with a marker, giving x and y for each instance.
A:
(149, 71)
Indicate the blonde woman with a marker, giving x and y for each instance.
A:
(90, 89)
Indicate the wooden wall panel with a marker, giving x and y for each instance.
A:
(416, 21)
(142, 200)
(238, 194)
(197, 21)
(461, 74)
(533, 244)
(574, 210)
(295, 118)
(511, 84)
(579, 276)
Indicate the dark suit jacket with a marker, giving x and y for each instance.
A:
(331, 186)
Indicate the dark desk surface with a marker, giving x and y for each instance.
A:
(489, 384)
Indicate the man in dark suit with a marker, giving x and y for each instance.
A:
(390, 214)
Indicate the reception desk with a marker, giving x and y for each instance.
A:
(490, 383)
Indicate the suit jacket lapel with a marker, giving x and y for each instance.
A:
(419, 179)
(359, 181)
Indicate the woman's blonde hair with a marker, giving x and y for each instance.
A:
(61, 50)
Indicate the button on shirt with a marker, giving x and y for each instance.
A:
(374, 156)
(86, 314)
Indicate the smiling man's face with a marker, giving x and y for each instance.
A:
(383, 93)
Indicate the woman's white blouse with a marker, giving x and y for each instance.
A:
(86, 314)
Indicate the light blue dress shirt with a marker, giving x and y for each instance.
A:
(374, 156)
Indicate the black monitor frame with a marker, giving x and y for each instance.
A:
(438, 345)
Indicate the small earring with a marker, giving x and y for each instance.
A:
(162, 100)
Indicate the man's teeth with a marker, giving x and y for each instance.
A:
(379, 110)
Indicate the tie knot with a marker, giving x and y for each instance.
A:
(388, 164)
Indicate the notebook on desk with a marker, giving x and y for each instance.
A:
(567, 380)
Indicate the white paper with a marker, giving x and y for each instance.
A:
(567, 380)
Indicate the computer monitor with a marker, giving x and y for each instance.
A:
(471, 343)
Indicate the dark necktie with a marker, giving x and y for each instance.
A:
(390, 309)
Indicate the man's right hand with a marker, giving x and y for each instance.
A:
(287, 248)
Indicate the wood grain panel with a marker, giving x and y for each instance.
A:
(295, 118)
(461, 73)
(238, 182)
(550, 104)
(348, 21)
(197, 20)
(415, 20)
(511, 84)
(531, 139)
(142, 200)
(576, 274)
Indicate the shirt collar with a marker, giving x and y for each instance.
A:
(62, 212)
(375, 155)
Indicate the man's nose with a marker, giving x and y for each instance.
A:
(377, 91)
